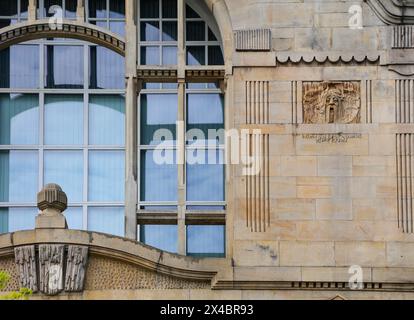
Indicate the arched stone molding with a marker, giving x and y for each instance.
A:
(27, 31)
(393, 11)
(117, 248)
(221, 14)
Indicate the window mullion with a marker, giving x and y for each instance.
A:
(181, 168)
(181, 39)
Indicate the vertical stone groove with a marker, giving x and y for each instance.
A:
(257, 182)
(405, 179)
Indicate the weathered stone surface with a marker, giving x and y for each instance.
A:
(76, 263)
(51, 266)
(25, 258)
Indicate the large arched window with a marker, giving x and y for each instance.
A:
(63, 120)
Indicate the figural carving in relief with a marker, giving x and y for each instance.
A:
(52, 270)
(331, 102)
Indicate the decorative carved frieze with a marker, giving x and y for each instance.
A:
(25, 258)
(51, 268)
(77, 260)
(331, 102)
(253, 40)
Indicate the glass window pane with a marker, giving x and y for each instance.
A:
(24, 4)
(196, 31)
(169, 55)
(70, 10)
(169, 9)
(150, 31)
(19, 119)
(169, 31)
(19, 67)
(106, 176)
(8, 8)
(22, 219)
(150, 55)
(158, 181)
(163, 237)
(196, 55)
(211, 35)
(64, 67)
(206, 241)
(97, 9)
(63, 120)
(205, 114)
(18, 176)
(74, 218)
(117, 9)
(4, 220)
(150, 9)
(158, 111)
(106, 220)
(107, 120)
(215, 56)
(66, 169)
(117, 27)
(205, 175)
(190, 13)
(107, 69)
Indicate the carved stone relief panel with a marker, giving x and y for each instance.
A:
(76, 268)
(331, 102)
(25, 258)
(51, 268)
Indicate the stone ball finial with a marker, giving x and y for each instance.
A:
(52, 197)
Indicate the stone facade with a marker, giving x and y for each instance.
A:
(334, 103)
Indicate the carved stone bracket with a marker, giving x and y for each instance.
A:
(57, 270)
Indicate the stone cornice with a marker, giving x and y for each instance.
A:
(118, 248)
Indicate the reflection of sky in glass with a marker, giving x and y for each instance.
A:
(159, 182)
(106, 220)
(67, 66)
(106, 120)
(24, 66)
(19, 119)
(74, 218)
(66, 169)
(163, 237)
(205, 239)
(205, 182)
(205, 108)
(22, 219)
(161, 109)
(23, 179)
(64, 120)
(106, 176)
